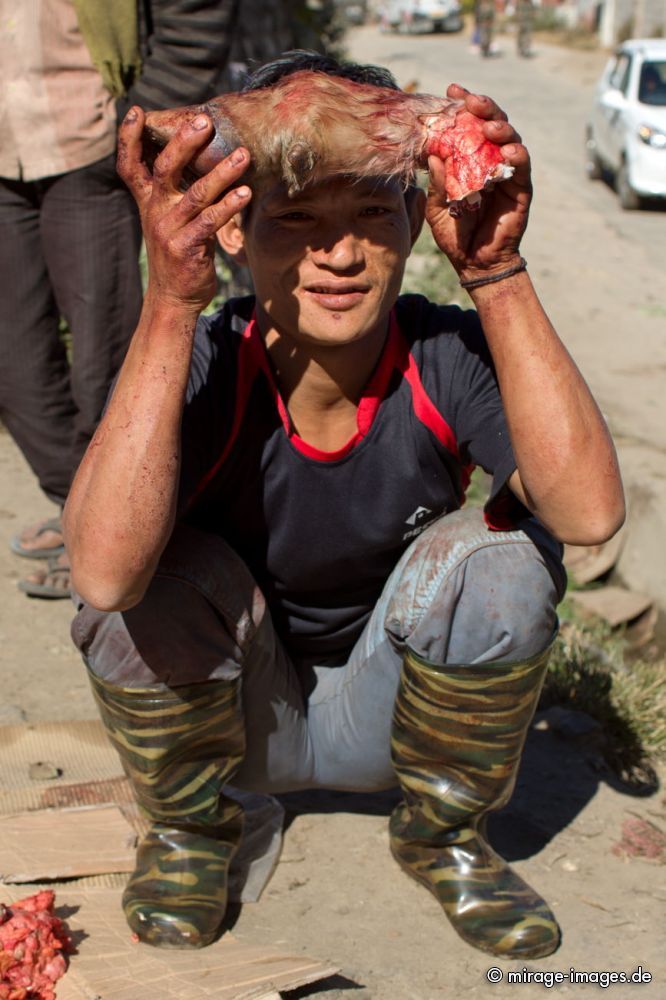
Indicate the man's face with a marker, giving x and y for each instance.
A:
(328, 263)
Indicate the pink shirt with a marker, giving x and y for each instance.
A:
(55, 113)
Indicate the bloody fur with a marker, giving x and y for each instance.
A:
(310, 125)
(32, 943)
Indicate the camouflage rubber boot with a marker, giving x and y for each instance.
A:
(178, 747)
(458, 733)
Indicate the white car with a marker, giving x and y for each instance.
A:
(626, 133)
(423, 15)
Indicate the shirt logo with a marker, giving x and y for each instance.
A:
(417, 522)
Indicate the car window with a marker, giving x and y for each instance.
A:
(619, 78)
(652, 83)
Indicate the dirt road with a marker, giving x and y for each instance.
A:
(337, 894)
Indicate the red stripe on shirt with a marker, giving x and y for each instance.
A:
(252, 357)
(429, 415)
(247, 370)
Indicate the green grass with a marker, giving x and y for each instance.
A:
(429, 273)
(593, 670)
(478, 489)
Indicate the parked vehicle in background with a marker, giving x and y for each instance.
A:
(412, 16)
(353, 11)
(626, 132)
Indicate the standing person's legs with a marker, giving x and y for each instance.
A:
(35, 399)
(92, 238)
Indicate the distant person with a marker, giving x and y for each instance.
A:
(484, 13)
(524, 26)
(474, 45)
(69, 229)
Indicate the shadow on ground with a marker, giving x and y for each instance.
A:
(555, 782)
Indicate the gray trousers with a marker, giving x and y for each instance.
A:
(69, 245)
(459, 594)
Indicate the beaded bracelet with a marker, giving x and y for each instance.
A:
(477, 282)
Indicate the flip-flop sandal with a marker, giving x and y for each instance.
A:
(49, 590)
(53, 524)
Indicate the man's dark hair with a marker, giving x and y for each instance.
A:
(296, 60)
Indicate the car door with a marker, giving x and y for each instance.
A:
(612, 107)
(598, 118)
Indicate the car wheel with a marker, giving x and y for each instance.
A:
(629, 200)
(593, 167)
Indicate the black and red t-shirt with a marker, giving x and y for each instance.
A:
(321, 531)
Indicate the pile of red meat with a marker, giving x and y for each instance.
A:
(32, 943)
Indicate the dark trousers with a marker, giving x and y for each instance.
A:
(69, 246)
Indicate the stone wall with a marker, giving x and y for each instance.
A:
(642, 18)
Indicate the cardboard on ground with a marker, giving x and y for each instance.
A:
(108, 965)
(60, 843)
(65, 843)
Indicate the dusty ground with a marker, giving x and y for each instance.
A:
(337, 894)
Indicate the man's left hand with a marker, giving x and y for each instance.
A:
(485, 240)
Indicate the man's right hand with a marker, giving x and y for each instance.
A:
(179, 227)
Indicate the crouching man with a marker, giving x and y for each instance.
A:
(278, 586)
